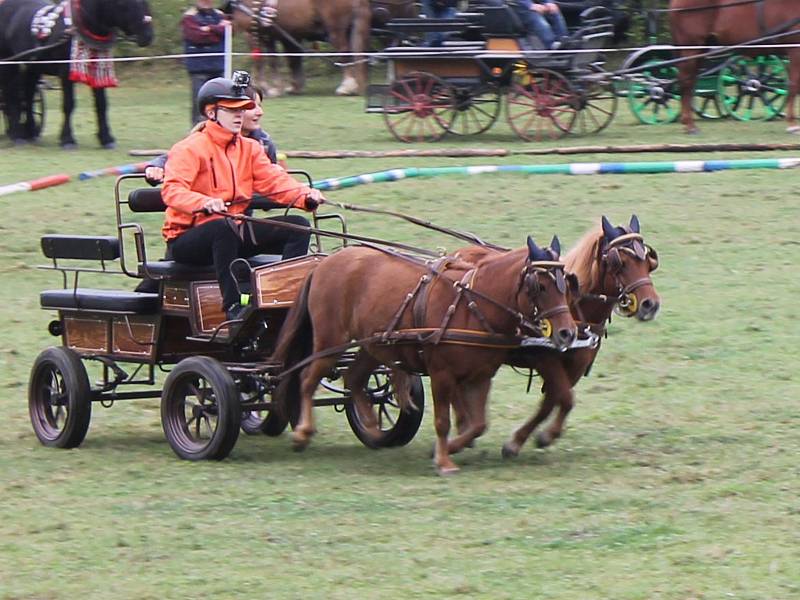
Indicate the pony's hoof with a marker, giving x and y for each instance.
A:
(509, 451)
(794, 129)
(446, 471)
(299, 442)
(692, 131)
(543, 439)
(109, 145)
(19, 142)
(69, 146)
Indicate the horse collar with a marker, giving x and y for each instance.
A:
(45, 19)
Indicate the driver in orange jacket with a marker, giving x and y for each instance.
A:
(217, 169)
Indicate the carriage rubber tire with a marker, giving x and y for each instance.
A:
(52, 362)
(409, 422)
(404, 429)
(226, 399)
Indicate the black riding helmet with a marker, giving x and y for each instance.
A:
(226, 92)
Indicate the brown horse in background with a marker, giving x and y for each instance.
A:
(613, 267)
(730, 22)
(343, 23)
(454, 315)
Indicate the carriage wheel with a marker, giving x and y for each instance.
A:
(708, 107)
(419, 107)
(654, 96)
(200, 410)
(59, 398)
(541, 105)
(753, 89)
(397, 427)
(258, 422)
(597, 103)
(476, 109)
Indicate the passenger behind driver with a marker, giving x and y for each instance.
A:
(217, 169)
(251, 127)
(543, 19)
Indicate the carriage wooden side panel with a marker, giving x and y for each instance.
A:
(277, 286)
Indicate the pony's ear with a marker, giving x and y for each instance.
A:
(533, 249)
(609, 230)
(555, 246)
(634, 225)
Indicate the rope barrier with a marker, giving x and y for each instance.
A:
(416, 53)
(630, 168)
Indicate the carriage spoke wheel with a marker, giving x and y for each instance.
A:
(753, 89)
(476, 110)
(419, 107)
(200, 409)
(397, 427)
(654, 96)
(597, 103)
(262, 421)
(708, 107)
(541, 105)
(59, 398)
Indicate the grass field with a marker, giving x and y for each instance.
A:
(677, 477)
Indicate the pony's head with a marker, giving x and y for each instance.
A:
(134, 19)
(543, 289)
(626, 264)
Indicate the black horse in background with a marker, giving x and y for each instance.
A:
(35, 30)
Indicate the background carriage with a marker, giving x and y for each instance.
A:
(462, 91)
(731, 85)
(220, 378)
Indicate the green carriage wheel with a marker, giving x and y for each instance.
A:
(654, 96)
(753, 89)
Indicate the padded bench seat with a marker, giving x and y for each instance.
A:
(170, 269)
(103, 300)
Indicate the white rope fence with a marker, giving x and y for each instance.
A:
(414, 53)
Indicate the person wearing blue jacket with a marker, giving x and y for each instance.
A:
(203, 31)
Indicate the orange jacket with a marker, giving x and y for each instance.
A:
(214, 163)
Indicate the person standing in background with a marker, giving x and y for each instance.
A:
(203, 31)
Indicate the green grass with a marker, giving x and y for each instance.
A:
(677, 476)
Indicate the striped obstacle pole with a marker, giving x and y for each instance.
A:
(120, 170)
(629, 168)
(34, 184)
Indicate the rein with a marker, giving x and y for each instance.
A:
(705, 7)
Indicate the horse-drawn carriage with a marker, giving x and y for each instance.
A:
(460, 87)
(411, 312)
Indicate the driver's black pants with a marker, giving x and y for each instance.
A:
(218, 243)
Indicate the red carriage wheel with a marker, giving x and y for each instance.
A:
(541, 104)
(419, 107)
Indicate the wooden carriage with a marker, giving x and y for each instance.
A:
(220, 377)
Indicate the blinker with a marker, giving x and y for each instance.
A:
(561, 282)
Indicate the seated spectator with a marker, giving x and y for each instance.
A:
(543, 19)
(438, 9)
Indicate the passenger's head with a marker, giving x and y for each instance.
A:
(205, 4)
(252, 116)
(224, 100)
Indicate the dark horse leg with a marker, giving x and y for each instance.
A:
(298, 76)
(11, 78)
(687, 77)
(28, 127)
(101, 109)
(68, 106)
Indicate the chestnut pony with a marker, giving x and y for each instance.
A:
(613, 267)
(455, 308)
(730, 22)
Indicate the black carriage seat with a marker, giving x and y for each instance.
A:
(100, 300)
(96, 248)
(149, 200)
(500, 21)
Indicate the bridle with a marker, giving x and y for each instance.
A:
(625, 302)
(538, 321)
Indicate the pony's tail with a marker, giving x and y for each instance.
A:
(294, 344)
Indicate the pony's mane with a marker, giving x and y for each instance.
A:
(582, 259)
